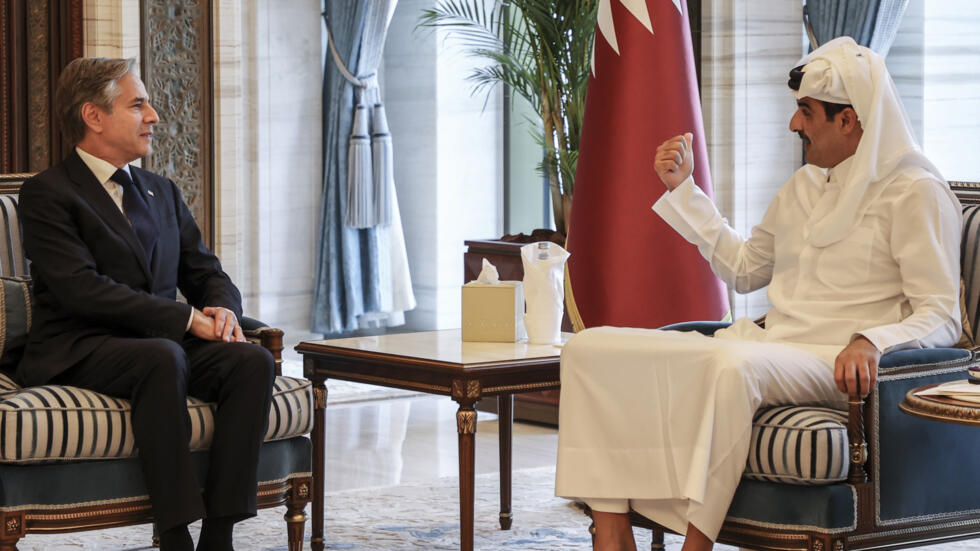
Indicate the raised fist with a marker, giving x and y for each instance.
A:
(674, 161)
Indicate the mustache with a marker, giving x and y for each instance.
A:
(803, 137)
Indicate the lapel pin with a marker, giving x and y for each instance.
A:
(150, 191)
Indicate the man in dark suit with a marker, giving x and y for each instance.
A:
(110, 244)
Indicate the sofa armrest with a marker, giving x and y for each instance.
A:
(269, 338)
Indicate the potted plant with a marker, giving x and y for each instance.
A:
(542, 50)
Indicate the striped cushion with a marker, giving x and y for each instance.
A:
(13, 263)
(15, 319)
(970, 266)
(292, 409)
(798, 445)
(57, 423)
(7, 385)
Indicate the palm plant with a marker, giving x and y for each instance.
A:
(542, 49)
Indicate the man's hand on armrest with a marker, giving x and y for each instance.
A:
(216, 324)
(674, 161)
(856, 368)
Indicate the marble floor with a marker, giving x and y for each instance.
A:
(405, 440)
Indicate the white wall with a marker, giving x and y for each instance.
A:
(447, 153)
(951, 94)
(748, 48)
(111, 28)
(268, 80)
(935, 62)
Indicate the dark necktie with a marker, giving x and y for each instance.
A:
(137, 212)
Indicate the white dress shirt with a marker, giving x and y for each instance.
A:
(894, 280)
(103, 171)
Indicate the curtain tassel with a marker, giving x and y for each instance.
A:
(383, 170)
(360, 204)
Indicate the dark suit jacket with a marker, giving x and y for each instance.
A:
(91, 277)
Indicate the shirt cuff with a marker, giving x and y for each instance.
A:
(190, 320)
(690, 212)
(682, 187)
(883, 341)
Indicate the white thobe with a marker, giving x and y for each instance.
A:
(661, 420)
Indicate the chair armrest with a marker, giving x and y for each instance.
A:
(881, 431)
(921, 359)
(918, 464)
(703, 327)
(269, 338)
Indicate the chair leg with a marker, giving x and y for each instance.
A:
(295, 525)
(299, 496)
(11, 530)
(657, 540)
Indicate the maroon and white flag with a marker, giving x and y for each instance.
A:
(629, 268)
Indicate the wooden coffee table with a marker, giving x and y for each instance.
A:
(940, 408)
(436, 362)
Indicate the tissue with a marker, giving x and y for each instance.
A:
(492, 310)
(544, 291)
(488, 274)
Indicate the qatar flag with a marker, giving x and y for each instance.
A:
(628, 268)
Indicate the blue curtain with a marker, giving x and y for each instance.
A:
(350, 261)
(871, 23)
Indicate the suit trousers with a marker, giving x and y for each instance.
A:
(157, 375)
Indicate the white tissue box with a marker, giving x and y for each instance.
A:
(493, 313)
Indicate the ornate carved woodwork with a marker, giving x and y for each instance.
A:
(940, 408)
(466, 421)
(176, 68)
(37, 39)
(857, 445)
(38, 87)
(293, 492)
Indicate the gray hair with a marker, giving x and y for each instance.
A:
(87, 80)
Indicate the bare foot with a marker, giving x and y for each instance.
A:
(695, 540)
(613, 532)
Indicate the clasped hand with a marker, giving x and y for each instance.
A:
(856, 368)
(215, 323)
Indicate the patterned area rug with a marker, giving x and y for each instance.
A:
(395, 518)
(410, 517)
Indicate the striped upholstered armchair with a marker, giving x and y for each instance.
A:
(872, 477)
(67, 458)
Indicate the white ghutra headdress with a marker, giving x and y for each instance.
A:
(841, 71)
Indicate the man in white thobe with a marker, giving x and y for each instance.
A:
(860, 250)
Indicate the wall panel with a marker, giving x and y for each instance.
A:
(37, 39)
